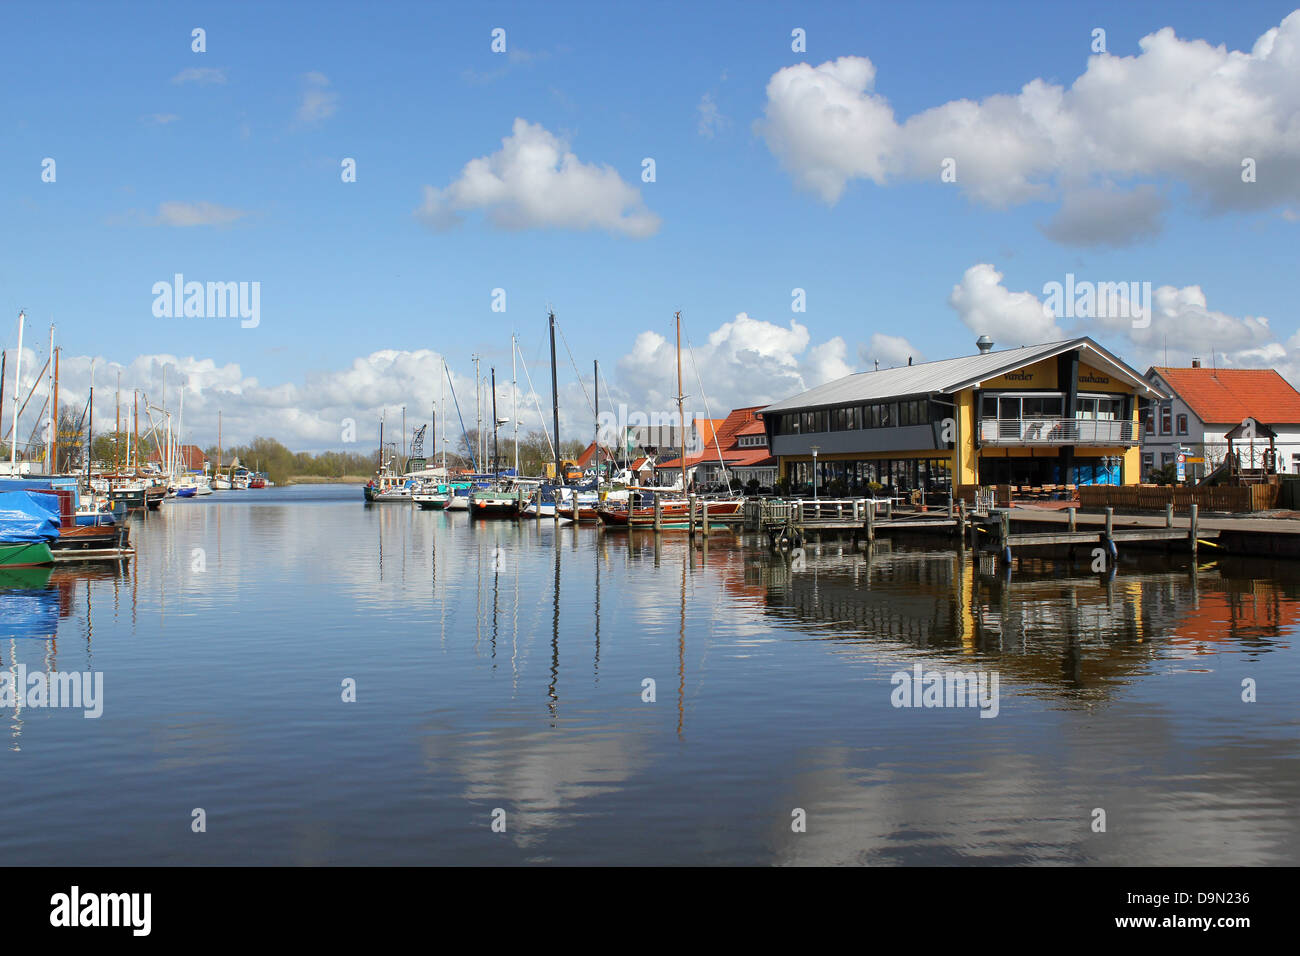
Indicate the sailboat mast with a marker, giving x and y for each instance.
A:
(381, 440)
(90, 420)
(496, 457)
(555, 402)
(681, 408)
(49, 424)
(18, 387)
(54, 417)
(514, 399)
(440, 402)
(595, 365)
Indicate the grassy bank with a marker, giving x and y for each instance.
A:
(324, 480)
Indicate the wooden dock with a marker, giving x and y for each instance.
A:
(999, 539)
(788, 523)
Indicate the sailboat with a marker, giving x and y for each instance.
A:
(674, 506)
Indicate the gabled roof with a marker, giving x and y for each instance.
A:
(1234, 394)
(947, 376)
(724, 438)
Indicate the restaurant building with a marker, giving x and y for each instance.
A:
(1062, 413)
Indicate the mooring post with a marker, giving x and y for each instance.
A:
(950, 503)
(1006, 537)
(690, 523)
(1110, 521)
(889, 509)
(659, 515)
(871, 523)
(1192, 530)
(1073, 513)
(704, 517)
(1169, 515)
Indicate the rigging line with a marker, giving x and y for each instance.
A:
(545, 431)
(725, 474)
(463, 434)
(576, 373)
(622, 438)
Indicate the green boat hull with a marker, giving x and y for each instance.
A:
(25, 555)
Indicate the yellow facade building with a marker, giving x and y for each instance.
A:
(1055, 414)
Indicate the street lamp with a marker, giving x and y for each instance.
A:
(815, 450)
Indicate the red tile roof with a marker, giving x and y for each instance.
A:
(1233, 394)
(728, 430)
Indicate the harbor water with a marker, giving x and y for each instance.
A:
(527, 693)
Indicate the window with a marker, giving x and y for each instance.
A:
(989, 406)
(1151, 420)
(1148, 461)
(1182, 424)
(1166, 457)
(886, 416)
(1166, 420)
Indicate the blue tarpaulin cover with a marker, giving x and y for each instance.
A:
(28, 517)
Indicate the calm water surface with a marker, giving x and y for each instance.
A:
(501, 665)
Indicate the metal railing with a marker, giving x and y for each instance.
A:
(1049, 430)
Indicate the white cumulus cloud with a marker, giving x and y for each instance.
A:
(1179, 111)
(535, 182)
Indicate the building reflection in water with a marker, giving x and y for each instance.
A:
(1048, 625)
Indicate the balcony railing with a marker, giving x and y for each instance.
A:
(1047, 430)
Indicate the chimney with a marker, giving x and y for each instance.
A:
(984, 344)
(909, 360)
(1196, 363)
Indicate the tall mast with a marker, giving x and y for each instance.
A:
(180, 435)
(681, 408)
(595, 364)
(403, 438)
(49, 391)
(555, 404)
(219, 455)
(478, 413)
(18, 378)
(90, 420)
(514, 400)
(4, 367)
(440, 396)
(133, 449)
(54, 417)
(496, 458)
(381, 439)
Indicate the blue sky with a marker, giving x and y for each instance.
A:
(413, 92)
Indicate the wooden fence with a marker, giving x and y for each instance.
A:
(1156, 497)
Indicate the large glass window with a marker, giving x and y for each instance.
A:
(1166, 420)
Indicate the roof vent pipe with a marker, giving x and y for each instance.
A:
(1196, 363)
(984, 343)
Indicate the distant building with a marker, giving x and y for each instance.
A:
(1062, 413)
(737, 450)
(191, 458)
(1204, 404)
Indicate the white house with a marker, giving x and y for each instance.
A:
(1206, 404)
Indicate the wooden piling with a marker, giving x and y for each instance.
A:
(1169, 516)
(1194, 527)
(1073, 513)
(659, 515)
(704, 515)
